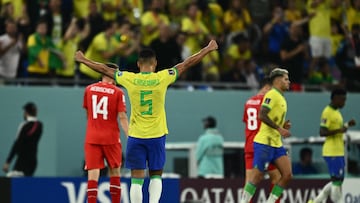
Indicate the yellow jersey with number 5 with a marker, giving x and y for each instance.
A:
(147, 91)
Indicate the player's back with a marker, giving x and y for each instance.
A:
(147, 91)
(251, 120)
(103, 101)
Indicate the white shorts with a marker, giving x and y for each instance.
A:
(320, 47)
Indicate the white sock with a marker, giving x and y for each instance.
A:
(136, 194)
(272, 198)
(155, 189)
(336, 194)
(246, 197)
(324, 193)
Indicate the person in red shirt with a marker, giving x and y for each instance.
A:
(252, 125)
(104, 103)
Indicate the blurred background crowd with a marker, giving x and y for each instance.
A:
(317, 41)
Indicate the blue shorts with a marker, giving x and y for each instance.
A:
(265, 154)
(143, 153)
(336, 166)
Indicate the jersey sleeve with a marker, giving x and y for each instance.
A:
(123, 78)
(169, 76)
(121, 103)
(269, 100)
(325, 119)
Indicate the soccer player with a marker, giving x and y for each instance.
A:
(333, 151)
(104, 104)
(268, 147)
(252, 126)
(148, 128)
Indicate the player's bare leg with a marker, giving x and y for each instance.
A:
(155, 186)
(255, 176)
(283, 164)
(115, 185)
(93, 177)
(137, 181)
(274, 177)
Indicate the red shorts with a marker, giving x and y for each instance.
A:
(249, 159)
(95, 155)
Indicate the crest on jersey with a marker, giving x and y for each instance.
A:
(323, 121)
(171, 72)
(119, 73)
(267, 101)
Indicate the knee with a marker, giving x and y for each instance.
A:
(287, 176)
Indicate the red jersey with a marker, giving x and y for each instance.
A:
(103, 102)
(251, 120)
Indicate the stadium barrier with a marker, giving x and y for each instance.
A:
(73, 190)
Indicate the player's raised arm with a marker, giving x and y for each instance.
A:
(99, 67)
(196, 58)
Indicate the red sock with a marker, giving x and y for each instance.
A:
(92, 191)
(271, 187)
(115, 189)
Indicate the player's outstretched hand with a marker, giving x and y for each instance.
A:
(79, 56)
(212, 45)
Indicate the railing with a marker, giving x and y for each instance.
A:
(189, 85)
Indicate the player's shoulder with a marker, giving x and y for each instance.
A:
(254, 100)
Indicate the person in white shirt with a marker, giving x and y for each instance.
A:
(10, 50)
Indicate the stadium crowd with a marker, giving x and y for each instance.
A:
(317, 41)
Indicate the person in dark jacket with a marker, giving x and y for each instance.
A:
(25, 146)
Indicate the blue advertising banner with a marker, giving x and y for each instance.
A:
(73, 190)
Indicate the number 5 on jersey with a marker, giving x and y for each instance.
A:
(146, 103)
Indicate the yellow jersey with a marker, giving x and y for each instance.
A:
(147, 91)
(319, 25)
(275, 101)
(334, 144)
(99, 44)
(149, 18)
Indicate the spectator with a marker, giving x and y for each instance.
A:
(128, 35)
(323, 75)
(57, 20)
(276, 30)
(151, 21)
(293, 52)
(161, 45)
(320, 31)
(103, 48)
(43, 57)
(239, 49)
(95, 21)
(305, 165)
(209, 151)
(76, 31)
(25, 146)
(352, 14)
(292, 13)
(196, 32)
(11, 45)
(236, 18)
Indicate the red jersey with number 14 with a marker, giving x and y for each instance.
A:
(103, 102)
(251, 120)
